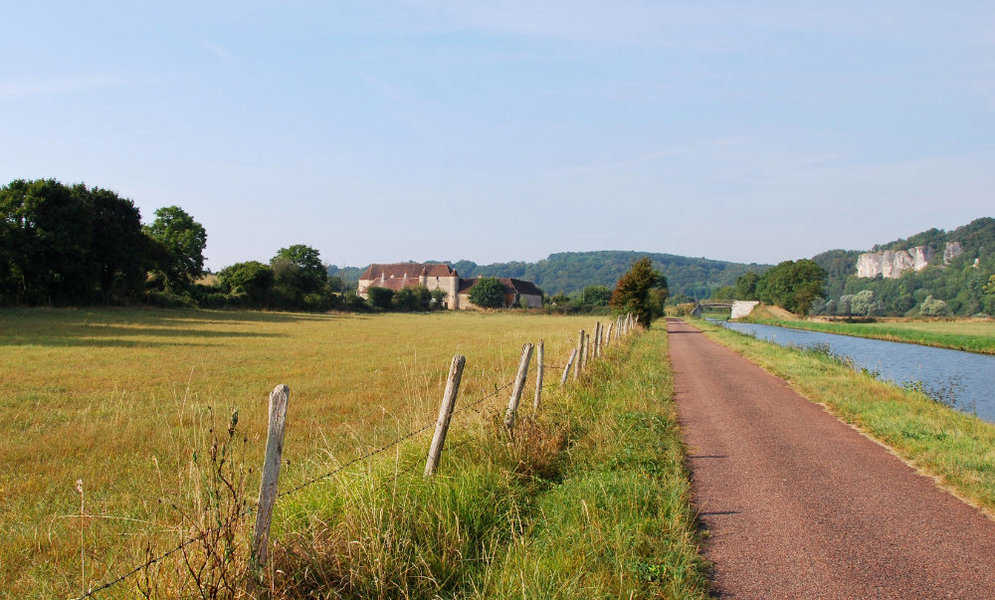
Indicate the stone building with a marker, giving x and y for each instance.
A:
(442, 277)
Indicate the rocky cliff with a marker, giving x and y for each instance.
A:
(890, 264)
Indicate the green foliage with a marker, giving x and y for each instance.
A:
(251, 279)
(746, 286)
(571, 272)
(793, 285)
(182, 241)
(299, 267)
(596, 295)
(488, 292)
(642, 291)
(62, 245)
(865, 303)
(960, 284)
(990, 286)
(379, 298)
(411, 299)
(933, 307)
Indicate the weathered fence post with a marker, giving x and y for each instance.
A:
(518, 388)
(608, 336)
(445, 414)
(580, 355)
(566, 369)
(278, 401)
(597, 332)
(540, 369)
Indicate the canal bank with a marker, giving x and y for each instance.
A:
(961, 380)
(956, 448)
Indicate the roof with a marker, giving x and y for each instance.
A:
(511, 286)
(399, 270)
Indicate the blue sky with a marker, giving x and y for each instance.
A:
(507, 130)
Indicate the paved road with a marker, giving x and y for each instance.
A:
(799, 505)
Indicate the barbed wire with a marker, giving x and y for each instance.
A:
(473, 406)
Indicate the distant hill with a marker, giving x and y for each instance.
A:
(571, 272)
(958, 281)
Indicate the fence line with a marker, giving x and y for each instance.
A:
(258, 554)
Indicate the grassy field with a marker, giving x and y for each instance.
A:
(126, 400)
(972, 335)
(957, 448)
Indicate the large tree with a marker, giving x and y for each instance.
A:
(251, 279)
(642, 291)
(793, 285)
(299, 267)
(119, 250)
(488, 292)
(182, 241)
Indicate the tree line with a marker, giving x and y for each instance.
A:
(71, 245)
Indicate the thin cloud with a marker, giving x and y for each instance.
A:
(216, 50)
(60, 86)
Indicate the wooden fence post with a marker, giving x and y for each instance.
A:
(540, 369)
(278, 401)
(445, 414)
(608, 336)
(598, 332)
(566, 369)
(580, 355)
(518, 388)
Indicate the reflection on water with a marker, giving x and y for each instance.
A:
(964, 380)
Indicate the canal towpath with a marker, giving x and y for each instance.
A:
(799, 505)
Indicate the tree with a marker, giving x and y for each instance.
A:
(182, 241)
(379, 298)
(596, 295)
(252, 279)
(300, 267)
(410, 299)
(488, 292)
(865, 303)
(119, 251)
(990, 286)
(47, 237)
(746, 286)
(932, 307)
(792, 285)
(633, 292)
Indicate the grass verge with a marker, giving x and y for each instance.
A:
(973, 335)
(590, 499)
(958, 449)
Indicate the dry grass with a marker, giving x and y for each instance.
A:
(122, 398)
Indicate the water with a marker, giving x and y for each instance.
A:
(963, 380)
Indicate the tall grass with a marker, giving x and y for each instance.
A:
(587, 500)
(123, 398)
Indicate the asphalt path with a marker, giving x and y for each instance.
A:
(799, 505)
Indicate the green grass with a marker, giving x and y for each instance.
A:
(957, 448)
(129, 401)
(589, 500)
(973, 335)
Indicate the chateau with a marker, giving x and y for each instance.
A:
(398, 276)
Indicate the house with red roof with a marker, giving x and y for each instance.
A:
(398, 276)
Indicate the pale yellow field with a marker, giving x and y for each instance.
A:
(122, 398)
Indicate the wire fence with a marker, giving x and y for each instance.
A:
(477, 406)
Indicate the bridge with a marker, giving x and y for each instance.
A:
(737, 308)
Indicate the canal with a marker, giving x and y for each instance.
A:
(963, 380)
